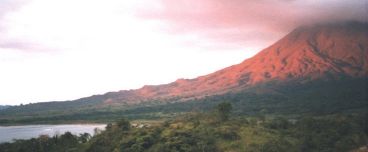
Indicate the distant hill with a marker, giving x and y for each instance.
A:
(3, 107)
(318, 68)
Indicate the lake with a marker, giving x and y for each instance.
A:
(8, 133)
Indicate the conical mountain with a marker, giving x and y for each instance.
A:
(325, 51)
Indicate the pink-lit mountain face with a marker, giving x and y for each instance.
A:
(326, 51)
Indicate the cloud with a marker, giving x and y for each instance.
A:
(43, 26)
(8, 6)
(6, 42)
(23, 46)
(245, 22)
(210, 24)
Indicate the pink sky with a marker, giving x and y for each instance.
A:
(62, 50)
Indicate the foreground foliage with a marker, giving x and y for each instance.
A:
(210, 132)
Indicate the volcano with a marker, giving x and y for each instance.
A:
(311, 68)
(328, 51)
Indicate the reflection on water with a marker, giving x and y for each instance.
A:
(8, 133)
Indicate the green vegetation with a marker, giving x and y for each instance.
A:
(44, 143)
(317, 98)
(218, 130)
(223, 111)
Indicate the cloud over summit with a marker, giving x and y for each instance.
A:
(243, 22)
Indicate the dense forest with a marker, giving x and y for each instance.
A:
(216, 130)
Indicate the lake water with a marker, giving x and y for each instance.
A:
(8, 133)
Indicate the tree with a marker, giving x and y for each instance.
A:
(123, 124)
(83, 138)
(223, 110)
(68, 138)
(108, 126)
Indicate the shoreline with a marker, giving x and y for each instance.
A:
(24, 132)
